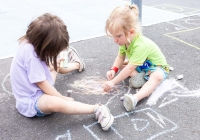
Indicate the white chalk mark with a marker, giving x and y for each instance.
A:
(187, 95)
(116, 132)
(92, 133)
(169, 102)
(129, 89)
(189, 19)
(110, 99)
(2, 84)
(179, 85)
(66, 135)
(177, 25)
(163, 132)
(160, 119)
(165, 86)
(140, 120)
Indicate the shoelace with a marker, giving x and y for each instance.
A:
(101, 117)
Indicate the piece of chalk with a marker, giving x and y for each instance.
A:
(179, 77)
(64, 63)
(69, 93)
(122, 98)
(171, 68)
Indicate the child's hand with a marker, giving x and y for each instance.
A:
(107, 86)
(110, 74)
(58, 63)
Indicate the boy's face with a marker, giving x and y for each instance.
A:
(120, 38)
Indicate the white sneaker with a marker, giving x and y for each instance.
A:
(104, 117)
(73, 56)
(129, 102)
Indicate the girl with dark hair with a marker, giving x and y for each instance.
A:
(34, 69)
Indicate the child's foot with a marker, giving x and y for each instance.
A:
(129, 102)
(104, 117)
(73, 56)
(137, 81)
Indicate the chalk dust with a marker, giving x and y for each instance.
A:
(94, 85)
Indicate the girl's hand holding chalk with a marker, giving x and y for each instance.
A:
(64, 63)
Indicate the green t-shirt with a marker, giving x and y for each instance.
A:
(141, 49)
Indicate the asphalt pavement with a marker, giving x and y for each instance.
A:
(173, 113)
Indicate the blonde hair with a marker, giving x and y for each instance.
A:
(124, 18)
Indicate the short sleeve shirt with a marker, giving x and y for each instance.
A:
(141, 49)
(26, 70)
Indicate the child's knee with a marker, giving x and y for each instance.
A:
(133, 73)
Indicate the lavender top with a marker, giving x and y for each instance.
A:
(26, 70)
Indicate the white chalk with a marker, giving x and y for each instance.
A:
(171, 68)
(179, 77)
(69, 93)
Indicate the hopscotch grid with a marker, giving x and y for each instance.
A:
(128, 113)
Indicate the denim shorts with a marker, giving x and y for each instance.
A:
(39, 112)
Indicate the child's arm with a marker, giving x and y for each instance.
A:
(119, 61)
(117, 64)
(125, 72)
(47, 88)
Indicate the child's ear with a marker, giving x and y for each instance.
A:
(132, 32)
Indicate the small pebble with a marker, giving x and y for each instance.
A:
(171, 68)
(179, 77)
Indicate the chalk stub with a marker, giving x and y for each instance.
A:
(179, 77)
(69, 93)
(171, 68)
(64, 63)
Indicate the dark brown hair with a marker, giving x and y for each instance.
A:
(49, 36)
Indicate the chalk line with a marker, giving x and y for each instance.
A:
(166, 103)
(2, 84)
(157, 118)
(66, 135)
(165, 86)
(141, 120)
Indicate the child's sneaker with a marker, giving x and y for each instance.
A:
(73, 56)
(104, 117)
(129, 102)
(137, 81)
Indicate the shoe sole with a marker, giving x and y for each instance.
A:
(78, 56)
(137, 81)
(109, 124)
(128, 104)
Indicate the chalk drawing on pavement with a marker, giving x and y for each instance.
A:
(66, 135)
(151, 119)
(93, 85)
(172, 35)
(178, 9)
(3, 84)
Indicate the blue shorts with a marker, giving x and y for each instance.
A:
(149, 67)
(150, 70)
(39, 112)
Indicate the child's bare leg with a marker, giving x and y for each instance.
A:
(154, 80)
(54, 74)
(71, 67)
(48, 104)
